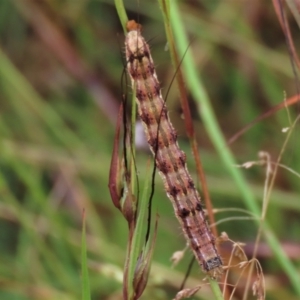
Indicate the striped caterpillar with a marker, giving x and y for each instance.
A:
(170, 160)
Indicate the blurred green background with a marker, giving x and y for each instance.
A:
(61, 65)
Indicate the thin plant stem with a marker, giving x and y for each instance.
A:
(121, 13)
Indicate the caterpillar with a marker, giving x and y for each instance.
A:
(170, 160)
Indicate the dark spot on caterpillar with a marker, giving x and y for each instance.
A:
(153, 143)
(182, 158)
(141, 95)
(137, 56)
(147, 53)
(183, 212)
(164, 167)
(131, 58)
(174, 191)
(157, 89)
(191, 184)
(199, 206)
(147, 118)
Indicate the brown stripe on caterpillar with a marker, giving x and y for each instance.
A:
(170, 160)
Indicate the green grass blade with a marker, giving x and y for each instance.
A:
(121, 13)
(137, 240)
(86, 291)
